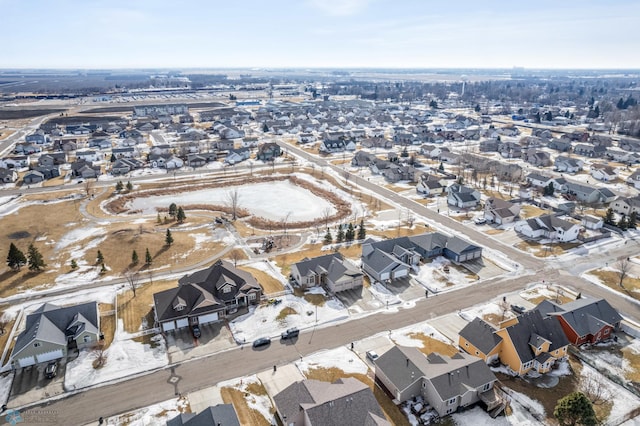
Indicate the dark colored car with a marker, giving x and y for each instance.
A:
(290, 333)
(263, 341)
(195, 329)
(518, 309)
(51, 370)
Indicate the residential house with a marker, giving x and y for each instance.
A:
(587, 193)
(37, 138)
(592, 222)
(268, 151)
(52, 159)
(567, 164)
(8, 175)
(462, 196)
(196, 160)
(538, 158)
(124, 152)
(218, 415)
(562, 145)
(634, 179)
(500, 211)
(123, 166)
(31, 177)
(48, 172)
(391, 259)
(450, 157)
(236, 156)
(510, 150)
(89, 155)
(26, 148)
(538, 180)
(603, 172)
(549, 227)
(84, 169)
(161, 149)
(584, 320)
(446, 383)
(396, 173)
(347, 401)
(626, 205)
(479, 338)
(430, 185)
(532, 343)
(51, 331)
(306, 138)
(101, 144)
(489, 145)
(362, 159)
(430, 151)
(206, 296)
(165, 161)
(332, 271)
(591, 151)
(376, 142)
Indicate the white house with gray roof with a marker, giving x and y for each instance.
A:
(447, 384)
(51, 331)
(550, 227)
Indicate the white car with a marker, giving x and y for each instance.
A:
(479, 220)
(372, 355)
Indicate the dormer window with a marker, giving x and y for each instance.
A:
(179, 307)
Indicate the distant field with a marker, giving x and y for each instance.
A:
(17, 114)
(108, 109)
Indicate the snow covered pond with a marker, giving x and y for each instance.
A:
(272, 200)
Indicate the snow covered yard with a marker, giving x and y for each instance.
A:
(156, 414)
(441, 275)
(293, 311)
(249, 398)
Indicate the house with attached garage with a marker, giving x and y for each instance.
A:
(446, 383)
(220, 291)
(462, 196)
(268, 151)
(633, 180)
(591, 151)
(500, 211)
(626, 205)
(430, 185)
(50, 332)
(538, 180)
(584, 320)
(479, 338)
(331, 271)
(550, 227)
(587, 193)
(603, 172)
(347, 401)
(567, 164)
(8, 175)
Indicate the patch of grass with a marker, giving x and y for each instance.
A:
(108, 328)
(246, 415)
(314, 299)
(4, 338)
(132, 310)
(403, 231)
(256, 389)
(494, 231)
(560, 298)
(612, 279)
(494, 319)
(285, 312)
(391, 411)
(285, 260)
(527, 211)
(269, 283)
(431, 345)
(147, 339)
(633, 359)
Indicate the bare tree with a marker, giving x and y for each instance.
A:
(233, 198)
(4, 321)
(326, 214)
(284, 221)
(596, 390)
(623, 265)
(410, 219)
(100, 357)
(235, 255)
(88, 186)
(132, 280)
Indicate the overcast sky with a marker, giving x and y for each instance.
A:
(319, 33)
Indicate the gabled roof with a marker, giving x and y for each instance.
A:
(481, 335)
(221, 414)
(347, 401)
(585, 315)
(532, 323)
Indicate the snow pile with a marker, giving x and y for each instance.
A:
(562, 368)
(341, 358)
(401, 336)
(485, 309)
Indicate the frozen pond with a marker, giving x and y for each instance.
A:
(272, 200)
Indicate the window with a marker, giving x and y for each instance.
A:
(450, 410)
(486, 387)
(179, 307)
(226, 289)
(606, 331)
(86, 339)
(452, 401)
(36, 345)
(252, 296)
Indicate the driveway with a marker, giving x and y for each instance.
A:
(358, 300)
(30, 385)
(181, 345)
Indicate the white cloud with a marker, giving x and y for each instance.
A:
(340, 7)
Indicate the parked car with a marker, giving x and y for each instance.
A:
(263, 341)
(518, 309)
(372, 355)
(479, 220)
(51, 370)
(195, 329)
(290, 333)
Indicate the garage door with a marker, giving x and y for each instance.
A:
(203, 319)
(182, 323)
(400, 273)
(26, 361)
(50, 356)
(168, 326)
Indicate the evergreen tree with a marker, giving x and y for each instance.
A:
(350, 234)
(548, 116)
(433, 104)
(441, 167)
(620, 104)
(631, 220)
(608, 218)
(168, 239)
(148, 260)
(477, 108)
(103, 269)
(173, 209)
(404, 153)
(622, 223)
(99, 257)
(159, 219)
(575, 409)
(36, 262)
(549, 189)
(15, 258)
(265, 128)
(362, 232)
(537, 118)
(74, 264)
(129, 185)
(134, 257)
(328, 238)
(340, 235)
(119, 186)
(113, 158)
(596, 111)
(180, 216)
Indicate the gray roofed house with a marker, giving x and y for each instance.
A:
(218, 415)
(549, 226)
(346, 401)
(206, 296)
(478, 338)
(331, 270)
(462, 196)
(51, 331)
(584, 320)
(445, 383)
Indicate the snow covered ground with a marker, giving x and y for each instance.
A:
(5, 386)
(156, 414)
(342, 358)
(262, 321)
(260, 403)
(402, 336)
